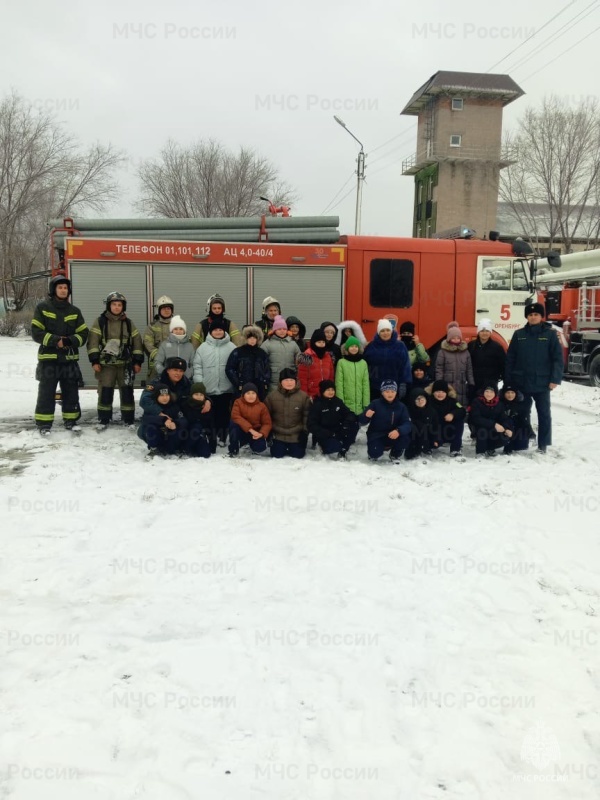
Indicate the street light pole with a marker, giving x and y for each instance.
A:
(360, 175)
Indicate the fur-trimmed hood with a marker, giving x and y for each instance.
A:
(356, 331)
(252, 329)
(453, 348)
(451, 390)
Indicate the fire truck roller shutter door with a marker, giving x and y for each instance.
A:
(190, 284)
(92, 283)
(313, 294)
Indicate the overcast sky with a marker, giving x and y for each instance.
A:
(271, 75)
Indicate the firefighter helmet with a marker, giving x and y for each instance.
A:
(53, 283)
(214, 298)
(116, 296)
(164, 301)
(270, 301)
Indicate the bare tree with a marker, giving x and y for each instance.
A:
(205, 180)
(44, 173)
(552, 188)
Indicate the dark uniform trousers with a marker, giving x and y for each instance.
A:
(109, 377)
(52, 373)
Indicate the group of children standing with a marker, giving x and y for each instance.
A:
(274, 393)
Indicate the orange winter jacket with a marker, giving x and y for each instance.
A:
(251, 415)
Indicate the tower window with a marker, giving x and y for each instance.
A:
(455, 140)
(457, 104)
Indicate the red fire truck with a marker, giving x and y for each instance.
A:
(314, 272)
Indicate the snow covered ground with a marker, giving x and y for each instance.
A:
(180, 628)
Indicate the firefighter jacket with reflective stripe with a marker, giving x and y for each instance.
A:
(123, 330)
(55, 319)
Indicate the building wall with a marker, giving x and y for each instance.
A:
(467, 194)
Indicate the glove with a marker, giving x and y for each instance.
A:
(66, 340)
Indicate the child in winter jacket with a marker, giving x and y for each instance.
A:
(352, 377)
(281, 349)
(162, 426)
(491, 426)
(315, 364)
(348, 328)
(250, 422)
(331, 422)
(288, 407)
(202, 438)
(416, 351)
(453, 363)
(450, 417)
(517, 410)
(424, 424)
(176, 344)
(210, 364)
(420, 375)
(297, 330)
(249, 364)
(389, 424)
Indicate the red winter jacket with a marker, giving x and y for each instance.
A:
(312, 370)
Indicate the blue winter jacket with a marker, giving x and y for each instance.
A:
(387, 417)
(534, 358)
(387, 361)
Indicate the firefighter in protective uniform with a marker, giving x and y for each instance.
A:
(158, 331)
(60, 330)
(116, 355)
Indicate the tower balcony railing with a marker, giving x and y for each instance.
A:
(438, 153)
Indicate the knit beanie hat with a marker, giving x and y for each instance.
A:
(407, 327)
(388, 386)
(535, 308)
(177, 322)
(216, 325)
(318, 336)
(279, 324)
(249, 387)
(419, 365)
(160, 388)
(288, 372)
(352, 341)
(198, 388)
(384, 325)
(440, 386)
(485, 324)
(453, 331)
(324, 385)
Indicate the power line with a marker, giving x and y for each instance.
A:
(379, 146)
(352, 174)
(553, 60)
(535, 33)
(556, 35)
(341, 200)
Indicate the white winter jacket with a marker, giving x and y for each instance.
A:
(210, 362)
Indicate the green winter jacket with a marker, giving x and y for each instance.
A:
(352, 384)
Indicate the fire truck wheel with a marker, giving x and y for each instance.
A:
(595, 370)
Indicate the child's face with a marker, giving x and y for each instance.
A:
(329, 332)
(320, 343)
(329, 393)
(218, 333)
(163, 399)
(439, 395)
(294, 329)
(348, 332)
(484, 335)
(251, 339)
(389, 395)
(421, 401)
(288, 384)
(178, 331)
(281, 333)
(510, 395)
(489, 394)
(250, 397)
(419, 374)
(353, 350)
(198, 397)
(456, 340)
